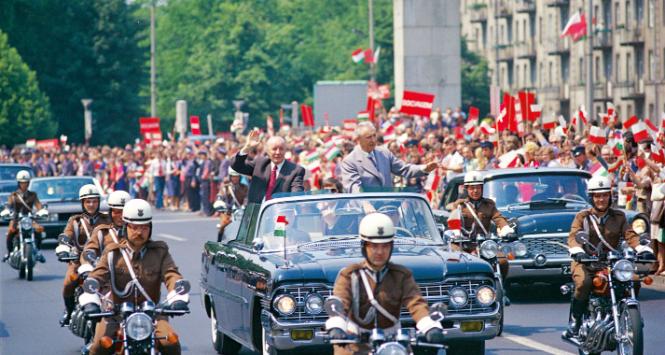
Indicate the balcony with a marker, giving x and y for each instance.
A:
(631, 90)
(525, 7)
(478, 15)
(602, 92)
(505, 53)
(631, 37)
(558, 3)
(602, 40)
(503, 10)
(525, 50)
(559, 46)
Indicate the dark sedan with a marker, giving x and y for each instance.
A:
(265, 291)
(61, 194)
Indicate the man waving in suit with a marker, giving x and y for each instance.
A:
(270, 173)
(369, 166)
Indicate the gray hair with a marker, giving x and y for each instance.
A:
(363, 126)
(275, 140)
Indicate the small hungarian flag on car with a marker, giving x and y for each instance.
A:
(455, 220)
(280, 226)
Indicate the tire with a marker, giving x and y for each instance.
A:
(466, 348)
(220, 342)
(502, 314)
(423, 350)
(630, 322)
(30, 261)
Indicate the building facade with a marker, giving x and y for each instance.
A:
(521, 40)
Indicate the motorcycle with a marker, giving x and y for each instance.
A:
(79, 324)
(137, 332)
(613, 321)
(402, 342)
(25, 253)
(488, 247)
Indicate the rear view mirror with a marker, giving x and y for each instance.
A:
(91, 285)
(334, 306)
(438, 311)
(182, 286)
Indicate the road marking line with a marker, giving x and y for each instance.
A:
(534, 344)
(172, 237)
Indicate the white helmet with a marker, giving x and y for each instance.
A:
(89, 191)
(473, 178)
(233, 172)
(23, 176)
(137, 211)
(219, 205)
(599, 184)
(377, 228)
(117, 199)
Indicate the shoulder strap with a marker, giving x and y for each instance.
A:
(475, 216)
(20, 199)
(133, 275)
(373, 301)
(593, 219)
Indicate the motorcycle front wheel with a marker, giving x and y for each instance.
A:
(29, 261)
(630, 329)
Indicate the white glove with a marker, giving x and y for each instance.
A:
(505, 230)
(642, 248)
(87, 298)
(62, 248)
(172, 297)
(575, 250)
(43, 213)
(84, 268)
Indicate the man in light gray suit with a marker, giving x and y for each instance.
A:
(369, 166)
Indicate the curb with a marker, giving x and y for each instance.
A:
(658, 280)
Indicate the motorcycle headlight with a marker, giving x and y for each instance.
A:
(391, 348)
(489, 249)
(458, 297)
(138, 326)
(624, 270)
(639, 225)
(519, 249)
(53, 217)
(26, 223)
(485, 296)
(285, 304)
(314, 304)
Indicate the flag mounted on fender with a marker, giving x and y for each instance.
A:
(417, 103)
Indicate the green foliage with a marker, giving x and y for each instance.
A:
(24, 110)
(82, 49)
(475, 80)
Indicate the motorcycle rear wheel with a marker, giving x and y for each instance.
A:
(630, 326)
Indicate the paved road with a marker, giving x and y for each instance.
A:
(29, 311)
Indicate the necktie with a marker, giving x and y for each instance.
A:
(271, 183)
(373, 159)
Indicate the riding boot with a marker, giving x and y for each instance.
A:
(10, 246)
(577, 309)
(70, 302)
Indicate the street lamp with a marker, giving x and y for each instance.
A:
(87, 120)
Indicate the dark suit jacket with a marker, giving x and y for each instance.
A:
(289, 179)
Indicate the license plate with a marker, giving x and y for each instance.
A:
(565, 270)
(471, 326)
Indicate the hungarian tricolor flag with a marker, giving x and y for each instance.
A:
(280, 226)
(576, 27)
(363, 116)
(598, 135)
(332, 152)
(369, 56)
(617, 143)
(598, 170)
(358, 55)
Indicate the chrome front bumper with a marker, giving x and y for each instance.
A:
(279, 334)
(550, 268)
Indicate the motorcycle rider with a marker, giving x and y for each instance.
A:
(234, 192)
(478, 212)
(151, 263)
(376, 289)
(22, 201)
(105, 234)
(613, 226)
(78, 230)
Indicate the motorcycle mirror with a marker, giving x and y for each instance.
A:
(582, 237)
(438, 311)
(90, 256)
(64, 239)
(91, 285)
(334, 306)
(182, 287)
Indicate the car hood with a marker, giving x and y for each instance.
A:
(428, 264)
(551, 222)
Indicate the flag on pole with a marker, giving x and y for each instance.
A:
(307, 115)
(280, 226)
(640, 131)
(536, 110)
(417, 103)
(362, 116)
(358, 55)
(369, 56)
(332, 152)
(455, 220)
(653, 130)
(509, 160)
(312, 156)
(598, 170)
(617, 143)
(657, 154)
(487, 129)
(598, 135)
(630, 122)
(583, 115)
(576, 27)
(376, 54)
(549, 121)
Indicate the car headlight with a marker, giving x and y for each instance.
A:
(485, 295)
(489, 249)
(53, 217)
(639, 225)
(391, 348)
(519, 249)
(314, 304)
(458, 297)
(285, 304)
(138, 326)
(624, 270)
(26, 223)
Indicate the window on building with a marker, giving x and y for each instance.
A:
(518, 34)
(651, 13)
(639, 63)
(542, 75)
(639, 12)
(607, 13)
(628, 63)
(580, 70)
(509, 31)
(540, 28)
(652, 112)
(524, 33)
(596, 69)
(628, 13)
(652, 66)
(617, 65)
(502, 34)
(607, 61)
(565, 68)
(550, 73)
(518, 80)
(629, 110)
(527, 82)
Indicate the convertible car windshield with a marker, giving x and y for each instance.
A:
(521, 190)
(54, 189)
(314, 221)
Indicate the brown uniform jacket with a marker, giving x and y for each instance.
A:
(99, 239)
(613, 227)
(76, 230)
(30, 198)
(398, 288)
(486, 211)
(152, 264)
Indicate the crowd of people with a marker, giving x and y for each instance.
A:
(403, 151)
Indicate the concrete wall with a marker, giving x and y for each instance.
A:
(427, 49)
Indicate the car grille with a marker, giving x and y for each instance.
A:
(432, 292)
(546, 245)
